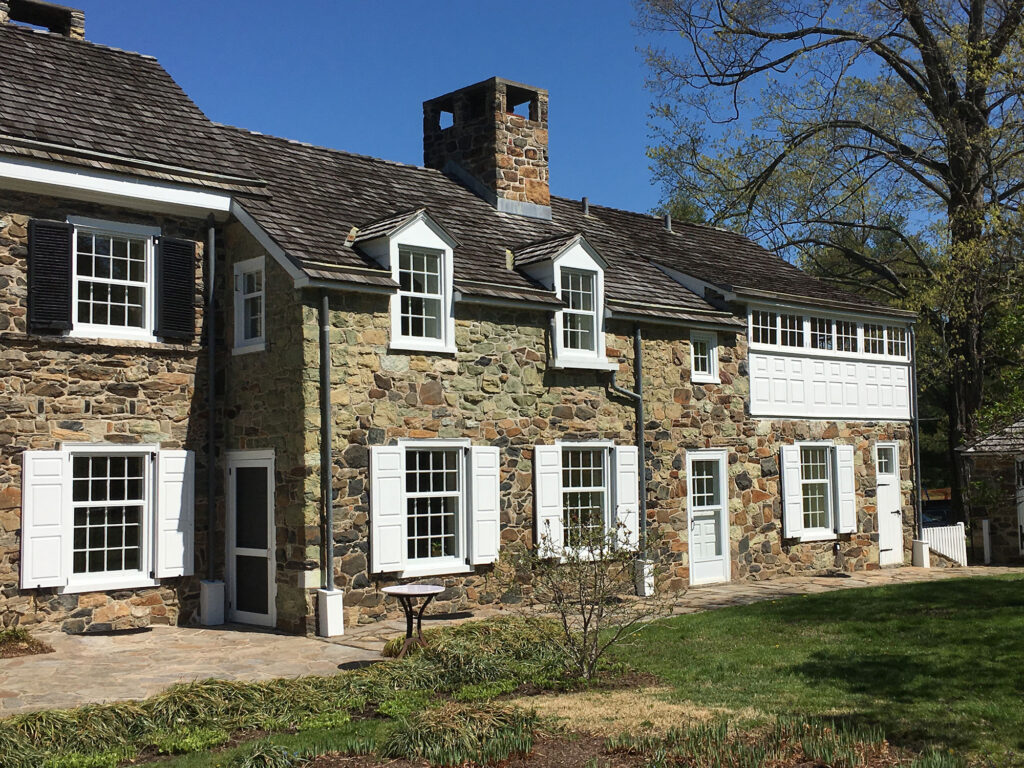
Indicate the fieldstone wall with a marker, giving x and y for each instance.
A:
(58, 390)
(270, 401)
(497, 390)
(994, 496)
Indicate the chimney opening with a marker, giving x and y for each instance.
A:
(69, 22)
(522, 102)
(476, 105)
(446, 119)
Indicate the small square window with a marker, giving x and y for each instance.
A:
(897, 341)
(821, 333)
(874, 339)
(846, 336)
(763, 326)
(791, 330)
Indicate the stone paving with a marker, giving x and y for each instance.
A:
(98, 668)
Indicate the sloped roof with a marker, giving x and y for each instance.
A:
(1009, 439)
(109, 108)
(317, 195)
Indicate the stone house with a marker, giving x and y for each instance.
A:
(198, 319)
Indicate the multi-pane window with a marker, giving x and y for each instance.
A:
(874, 339)
(108, 503)
(821, 333)
(584, 496)
(112, 279)
(421, 292)
(815, 474)
(704, 483)
(250, 293)
(433, 495)
(897, 341)
(886, 459)
(579, 317)
(791, 330)
(763, 327)
(703, 357)
(846, 336)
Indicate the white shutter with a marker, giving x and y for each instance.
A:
(792, 498)
(547, 498)
(627, 494)
(846, 493)
(44, 528)
(175, 519)
(387, 508)
(485, 509)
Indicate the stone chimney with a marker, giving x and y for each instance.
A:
(69, 22)
(475, 136)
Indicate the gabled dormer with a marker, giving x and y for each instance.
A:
(419, 252)
(574, 270)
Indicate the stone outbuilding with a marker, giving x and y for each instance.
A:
(996, 501)
(255, 380)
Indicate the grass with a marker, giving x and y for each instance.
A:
(937, 665)
(15, 641)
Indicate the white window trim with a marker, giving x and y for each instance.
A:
(608, 447)
(91, 330)
(402, 343)
(242, 345)
(806, 349)
(596, 360)
(823, 534)
(712, 376)
(78, 583)
(448, 565)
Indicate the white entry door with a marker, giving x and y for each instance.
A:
(1020, 504)
(250, 537)
(708, 505)
(890, 512)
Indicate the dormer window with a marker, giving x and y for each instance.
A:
(419, 253)
(421, 293)
(579, 318)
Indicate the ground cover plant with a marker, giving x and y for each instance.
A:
(936, 665)
(15, 641)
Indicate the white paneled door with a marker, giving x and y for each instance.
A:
(890, 513)
(250, 537)
(708, 506)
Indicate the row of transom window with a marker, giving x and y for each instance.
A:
(787, 329)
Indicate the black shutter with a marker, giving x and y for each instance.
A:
(49, 276)
(176, 289)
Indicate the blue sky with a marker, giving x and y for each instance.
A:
(352, 75)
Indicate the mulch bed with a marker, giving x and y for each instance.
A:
(12, 646)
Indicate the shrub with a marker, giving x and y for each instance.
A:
(453, 734)
(109, 759)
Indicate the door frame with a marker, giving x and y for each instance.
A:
(721, 455)
(895, 475)
(250, 458)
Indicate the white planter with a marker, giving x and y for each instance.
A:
(643, 578)
(211, 603)
(330, 610)
(922, 554)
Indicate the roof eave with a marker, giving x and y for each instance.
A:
(851, 306)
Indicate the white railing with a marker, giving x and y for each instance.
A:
(948, 540)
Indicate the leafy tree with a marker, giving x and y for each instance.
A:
(881, 141)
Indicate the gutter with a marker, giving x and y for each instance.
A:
(210, 321)
(915, 431)
(638, 404)
(326, 459)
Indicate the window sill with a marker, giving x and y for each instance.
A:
(135, 581)
(704, 379)
(245, 349)
(441, 569)
(421, 347)
(818, 535)
(109, 334)
(593, 364)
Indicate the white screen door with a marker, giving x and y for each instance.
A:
(250, 539)
(890, 513)
(708, 503)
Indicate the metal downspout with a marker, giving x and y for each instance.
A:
(326, 459)
(915, 431)
(638, 405)
(210, 321)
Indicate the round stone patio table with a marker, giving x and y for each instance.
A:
(407, 595)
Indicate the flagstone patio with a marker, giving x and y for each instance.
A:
(100, 668)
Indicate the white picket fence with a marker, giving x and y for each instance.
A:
(948, 540)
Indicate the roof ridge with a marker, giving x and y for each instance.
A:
(334, 150)
(23, 30)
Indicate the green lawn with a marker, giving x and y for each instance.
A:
(937, 664)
